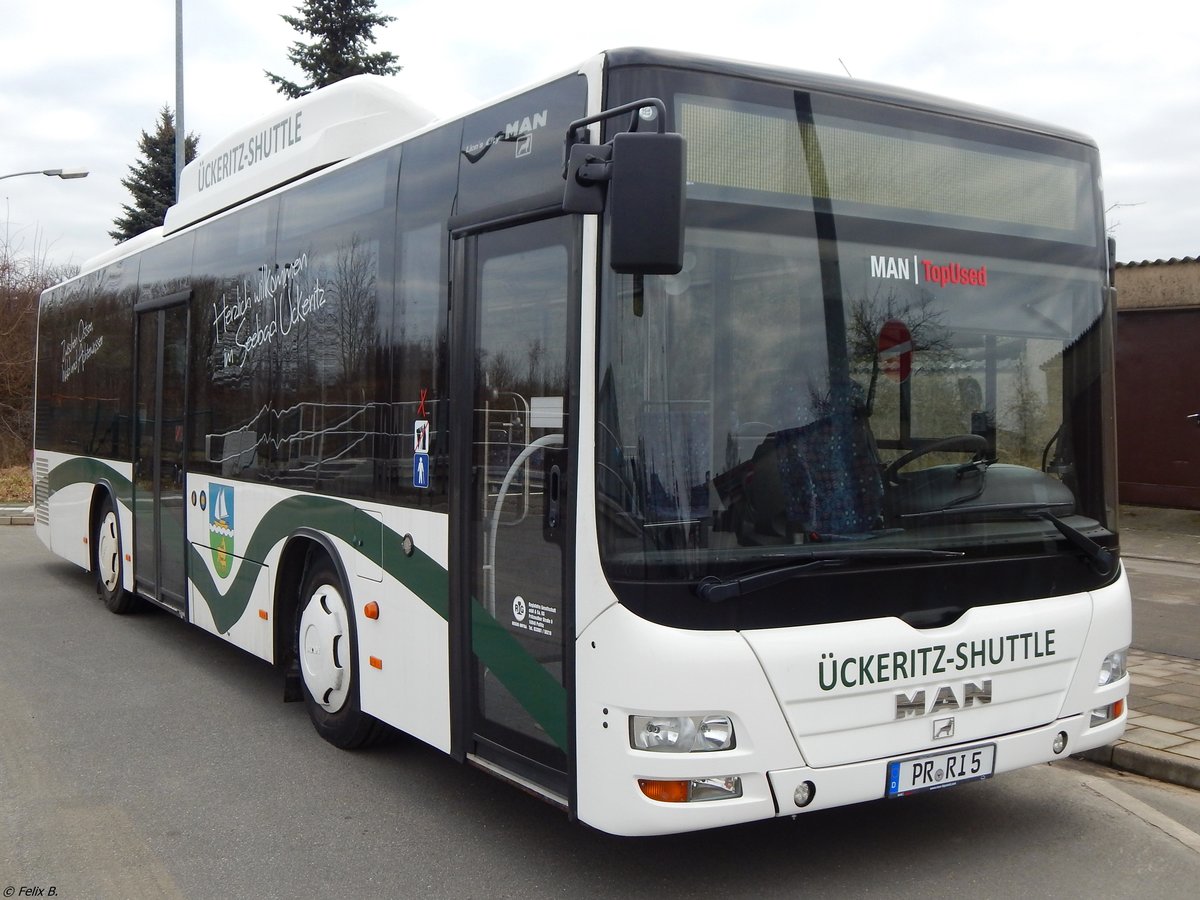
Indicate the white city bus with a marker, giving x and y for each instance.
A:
(688, 442)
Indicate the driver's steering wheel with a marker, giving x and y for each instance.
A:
(965, 443)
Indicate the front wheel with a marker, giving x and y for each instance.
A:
(108, 562)
(326, 646)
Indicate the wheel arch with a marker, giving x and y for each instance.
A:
(302, 548)
(102, 490)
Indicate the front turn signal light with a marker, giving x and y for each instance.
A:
(1103, 714)
(693, 790)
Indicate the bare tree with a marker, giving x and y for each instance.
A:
(867, 317)
(355, 306)
(1027, 413)
(23, 277)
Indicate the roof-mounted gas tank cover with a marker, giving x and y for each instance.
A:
(643, 172)
(330, 124)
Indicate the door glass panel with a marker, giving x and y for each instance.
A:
(159, 458)
(171, 452)
(144, 525)
(519, 463)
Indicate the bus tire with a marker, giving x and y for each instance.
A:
(327, 648)
(108, 561)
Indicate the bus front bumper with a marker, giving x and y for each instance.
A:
(873, 779)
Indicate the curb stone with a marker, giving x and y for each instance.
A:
(16, 514)
(1147, 762)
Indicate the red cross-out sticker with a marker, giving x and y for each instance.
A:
(895, 350)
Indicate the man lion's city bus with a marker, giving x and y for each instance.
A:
(687, 442)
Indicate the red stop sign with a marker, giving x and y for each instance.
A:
(895, 350)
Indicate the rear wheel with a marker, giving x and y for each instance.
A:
(109, 563)
(327, 649)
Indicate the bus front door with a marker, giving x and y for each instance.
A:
(515, 310)
(159, 457)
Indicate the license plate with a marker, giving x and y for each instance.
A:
(940, 770)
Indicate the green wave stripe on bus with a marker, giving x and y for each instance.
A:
(419, 572)
(82, 470)
(532, 686)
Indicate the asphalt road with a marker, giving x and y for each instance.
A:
(142, 758)
(1166, 606)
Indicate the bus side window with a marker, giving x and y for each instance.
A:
(229, 381)
(417, 343)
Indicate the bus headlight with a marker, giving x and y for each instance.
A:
(681, 734)
(1113, 667)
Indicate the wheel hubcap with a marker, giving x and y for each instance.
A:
(324, 648)
(108, 553)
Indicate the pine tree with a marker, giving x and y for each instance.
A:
(342, 29)
(151, 179)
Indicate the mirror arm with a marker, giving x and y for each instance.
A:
(595, 171)
(640, 178)
(577, 134)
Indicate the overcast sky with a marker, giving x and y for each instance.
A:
(80, 80)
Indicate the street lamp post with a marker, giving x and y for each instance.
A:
(61, 173)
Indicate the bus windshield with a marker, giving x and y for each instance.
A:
(888, 335)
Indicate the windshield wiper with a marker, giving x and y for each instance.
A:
(716, 590)
(1101, 558)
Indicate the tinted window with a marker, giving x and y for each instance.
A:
(238, 366)
(165, 269)
(417, 337)
(84, 365)
(852, 361)
(333, 427)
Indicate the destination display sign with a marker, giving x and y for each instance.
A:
(883, 172)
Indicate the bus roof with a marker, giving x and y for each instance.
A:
(327, 126)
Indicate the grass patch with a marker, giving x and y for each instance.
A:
(16, 485)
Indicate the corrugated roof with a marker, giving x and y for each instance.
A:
(1160, 262)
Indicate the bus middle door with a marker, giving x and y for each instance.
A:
(159, 456)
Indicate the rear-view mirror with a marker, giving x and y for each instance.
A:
(645, 203)
(640, 177)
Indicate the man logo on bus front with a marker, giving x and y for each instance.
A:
(220, 527)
